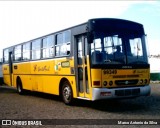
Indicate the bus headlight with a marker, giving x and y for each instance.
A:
(110, 83)
(105, 83)
(145, 81)
(141, 81)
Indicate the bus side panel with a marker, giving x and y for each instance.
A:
(42, 67)
(64, 68)
(26, 81)
(48, 83)
(37, 83)
(6, 78)
(6, 74)
(22, 70)
(39, 70)
(51, 84)
(96, 77)
(73, 85)
(47, 74)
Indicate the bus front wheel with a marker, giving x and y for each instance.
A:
(67, 93)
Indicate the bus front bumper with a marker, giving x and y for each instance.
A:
(112, 93)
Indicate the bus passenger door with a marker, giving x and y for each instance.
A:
(82, 71)
(10, 68)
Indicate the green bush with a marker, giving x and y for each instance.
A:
(155, 76)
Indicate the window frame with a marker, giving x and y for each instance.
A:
(6, 55)
(63, 45)
(35, 49)
(28, 51)
(49, 47)
(15, 54)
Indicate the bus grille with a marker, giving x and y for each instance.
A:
(127, 92)
(125, 76)
(126, 82)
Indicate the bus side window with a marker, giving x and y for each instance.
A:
(18, 53)
(26, 51)
(63, 41)
(48, 47)
(36, 49)
(6, 56)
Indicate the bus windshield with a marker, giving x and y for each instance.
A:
(118, 48)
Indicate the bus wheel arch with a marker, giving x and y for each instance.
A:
(19, 85)
(66, 91)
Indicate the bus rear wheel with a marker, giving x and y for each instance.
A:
(67, 93)
(19, 87)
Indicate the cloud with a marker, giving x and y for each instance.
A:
(25, 20)
(154, 45)
(154, 64)
(28, 19)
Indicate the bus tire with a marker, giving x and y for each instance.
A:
(67, 94)
(20, 87)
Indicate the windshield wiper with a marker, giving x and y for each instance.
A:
(107, 61)
(114, 61)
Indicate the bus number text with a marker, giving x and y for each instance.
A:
(110, 71)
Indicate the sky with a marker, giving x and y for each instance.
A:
(21, 21)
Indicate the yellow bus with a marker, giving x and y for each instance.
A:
(103, 58)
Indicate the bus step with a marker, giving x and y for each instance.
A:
(83, 98)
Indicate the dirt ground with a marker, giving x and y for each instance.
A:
(33, 106)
